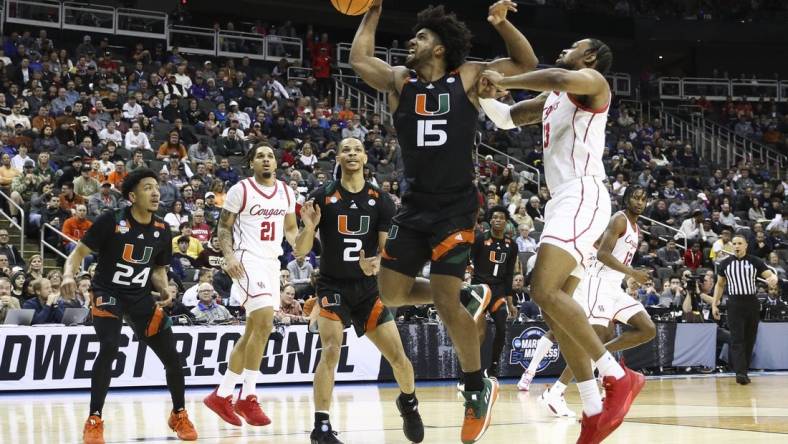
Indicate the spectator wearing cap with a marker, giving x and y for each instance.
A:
(85, 185)
(195, 246)
(94, 121)
(207, 310)
(172, 148)
(24, 186)
(104, 200)
(84, 130)
(235, 114)
(212, 210)
(110, 132)
(136, 139)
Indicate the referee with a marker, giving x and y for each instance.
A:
(739, 273)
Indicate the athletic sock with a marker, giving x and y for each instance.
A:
(473, 381)
(227, 386)
(408, 400)
(589, 394)
(322, 422)
(543, 345)
(250, 382)
(608, 366)
(558, 388)
(95, 414)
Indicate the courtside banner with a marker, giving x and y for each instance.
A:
(57, 357)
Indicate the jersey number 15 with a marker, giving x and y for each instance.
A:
(426, 129)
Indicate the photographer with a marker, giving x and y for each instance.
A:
(694, 300)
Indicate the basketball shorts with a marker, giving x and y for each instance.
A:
(498, 298)
(353, 302)
(259, 287)
(445, 244)
(604, 301)
(145, 318)
(576, 216)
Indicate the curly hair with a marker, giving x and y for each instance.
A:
(454, 35)
(604, 56)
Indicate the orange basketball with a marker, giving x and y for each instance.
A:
(352, 7)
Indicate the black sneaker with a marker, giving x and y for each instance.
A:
(324, 435)
(742, 379)
(412, 426)
(492, 372)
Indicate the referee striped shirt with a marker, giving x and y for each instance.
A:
(741, 274)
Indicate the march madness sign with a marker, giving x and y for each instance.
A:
(524, 348)
(62, 357)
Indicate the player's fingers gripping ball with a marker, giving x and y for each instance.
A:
(352, 7)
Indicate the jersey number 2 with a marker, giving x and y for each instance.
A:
(267, 231)
(352, 249)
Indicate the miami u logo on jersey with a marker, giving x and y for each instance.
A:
(363, 226)
(497, 257)
(128, 254)
(444, 105)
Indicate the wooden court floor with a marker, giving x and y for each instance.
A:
(707, 410)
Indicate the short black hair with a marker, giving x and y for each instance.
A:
(249, 157)
(497, 209)
(134, 178)
(453, 33)
(604, 56)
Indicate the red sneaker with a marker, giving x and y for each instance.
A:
(249, 409)
(589, 427)
(222, 407)
(619, 396)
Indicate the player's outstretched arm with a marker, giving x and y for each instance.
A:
(521, 55)
(225, 232)
(614, 230)
(68, 287)
(583, 82)
(372, 70)
(527, 112)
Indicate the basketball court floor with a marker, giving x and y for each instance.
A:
(706, 409)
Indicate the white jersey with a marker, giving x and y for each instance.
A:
(573, 139)
(260, 224)
(624, 250)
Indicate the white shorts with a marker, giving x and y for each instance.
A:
(260, 287)
(604, 300)
(576, 216)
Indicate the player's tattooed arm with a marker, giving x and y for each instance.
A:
(225, 232)
(529, 112)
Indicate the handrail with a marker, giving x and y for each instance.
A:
(513, 160)
(44, 243)
(681, 233)
(22, 219)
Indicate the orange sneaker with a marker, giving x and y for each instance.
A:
(180, 424)
(93, 433)
(249, 409)
(478, 411)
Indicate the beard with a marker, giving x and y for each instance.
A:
(563, 65)
(411, 62)
(267, 174)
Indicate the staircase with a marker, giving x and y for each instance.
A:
(32, 247)
(363, 102)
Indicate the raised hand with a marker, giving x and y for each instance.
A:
(68, 287)
(310, 214)
(498, 10)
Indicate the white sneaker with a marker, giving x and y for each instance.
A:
(460, 386)
(556, 404)
(524, 384)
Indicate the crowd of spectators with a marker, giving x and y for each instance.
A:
(73, 122)
(757, 10)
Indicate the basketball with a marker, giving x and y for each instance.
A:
(352, 7)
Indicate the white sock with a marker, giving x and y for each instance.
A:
(250, 382)
(608, 366)
(558, 388)
(589, 394)
(227, 386)
(542, 347)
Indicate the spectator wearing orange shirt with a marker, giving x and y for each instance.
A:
(172, 148)
(68, 199)
(116, 177)
(76, 226)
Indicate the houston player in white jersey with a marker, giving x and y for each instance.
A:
(601, 296)
(258, 213)
(573, 112)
